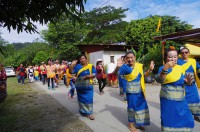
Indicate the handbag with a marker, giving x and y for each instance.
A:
(83, 84)
(104, 76)
(51, 74)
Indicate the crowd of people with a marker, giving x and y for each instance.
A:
(46, 73)
(179, 78)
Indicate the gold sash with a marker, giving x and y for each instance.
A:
(132, 76)
(174, 75)
(192, 62)
(89, 66)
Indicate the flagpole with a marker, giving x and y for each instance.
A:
(162, 41)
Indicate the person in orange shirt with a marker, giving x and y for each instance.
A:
(50, 74)
(43, 70)
(63, 69)
(57, 71)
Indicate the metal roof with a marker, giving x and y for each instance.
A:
(190, 36)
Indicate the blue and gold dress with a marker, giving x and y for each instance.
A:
(192, 97)
(138, 111)
(84, 88)
(175, 113)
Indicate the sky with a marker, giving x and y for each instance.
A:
(186, 10)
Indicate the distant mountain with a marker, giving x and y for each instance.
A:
(18, 46)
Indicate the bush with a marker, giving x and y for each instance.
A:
(154, 54)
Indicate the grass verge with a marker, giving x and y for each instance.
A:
(28, 108)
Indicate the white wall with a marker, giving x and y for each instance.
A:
(116, 54)
(95, 56)
(105, 56)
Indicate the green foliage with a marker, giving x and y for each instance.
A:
(20, 14)
(65, 36)
(2, 44)
(154, 54)
(63, 32)
(143, 30)
(18, 46)
(105, 25)
(68, 52)
(138, 54)
(39, 57)
(27, 54)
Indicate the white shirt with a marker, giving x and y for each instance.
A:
(111, 68)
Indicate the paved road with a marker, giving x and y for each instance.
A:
(110, 110)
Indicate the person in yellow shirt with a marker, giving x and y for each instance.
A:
(36, 74)
(70, 81)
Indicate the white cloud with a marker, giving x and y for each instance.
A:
(13, 36)
(186, 10)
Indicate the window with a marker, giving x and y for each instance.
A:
(111, 58)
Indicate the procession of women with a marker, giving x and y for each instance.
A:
(179, 79)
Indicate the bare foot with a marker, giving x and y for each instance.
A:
(140, 127)
(91, 117)
(132, 128)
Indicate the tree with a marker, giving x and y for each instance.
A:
(27, 54)
(154, 53)
(143, 30)
(64, 37)
(20, 14)
(40, 56)
(105, 25)
(2, 44)
(63, 32)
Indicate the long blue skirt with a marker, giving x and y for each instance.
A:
(138, 111)
(192, 98)
(85, 99)
(175, 116)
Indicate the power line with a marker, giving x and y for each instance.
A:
(104, 3)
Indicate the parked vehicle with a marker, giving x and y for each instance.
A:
(10, 71)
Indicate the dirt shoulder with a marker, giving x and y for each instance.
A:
(35, 110)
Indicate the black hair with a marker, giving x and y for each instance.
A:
(79, 57)
(183, 47)
(166, 53)
(129, 52)
(98, 63)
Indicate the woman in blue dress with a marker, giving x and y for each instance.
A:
(122, 83)
(175, 113)
(192, 67)
(132, 72)
(84, 75)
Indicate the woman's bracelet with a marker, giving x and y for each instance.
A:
(188, 84)
(164, 71)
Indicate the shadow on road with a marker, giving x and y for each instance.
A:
(116, 95)
(154, 104)
(119, 113)
(153, 128)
